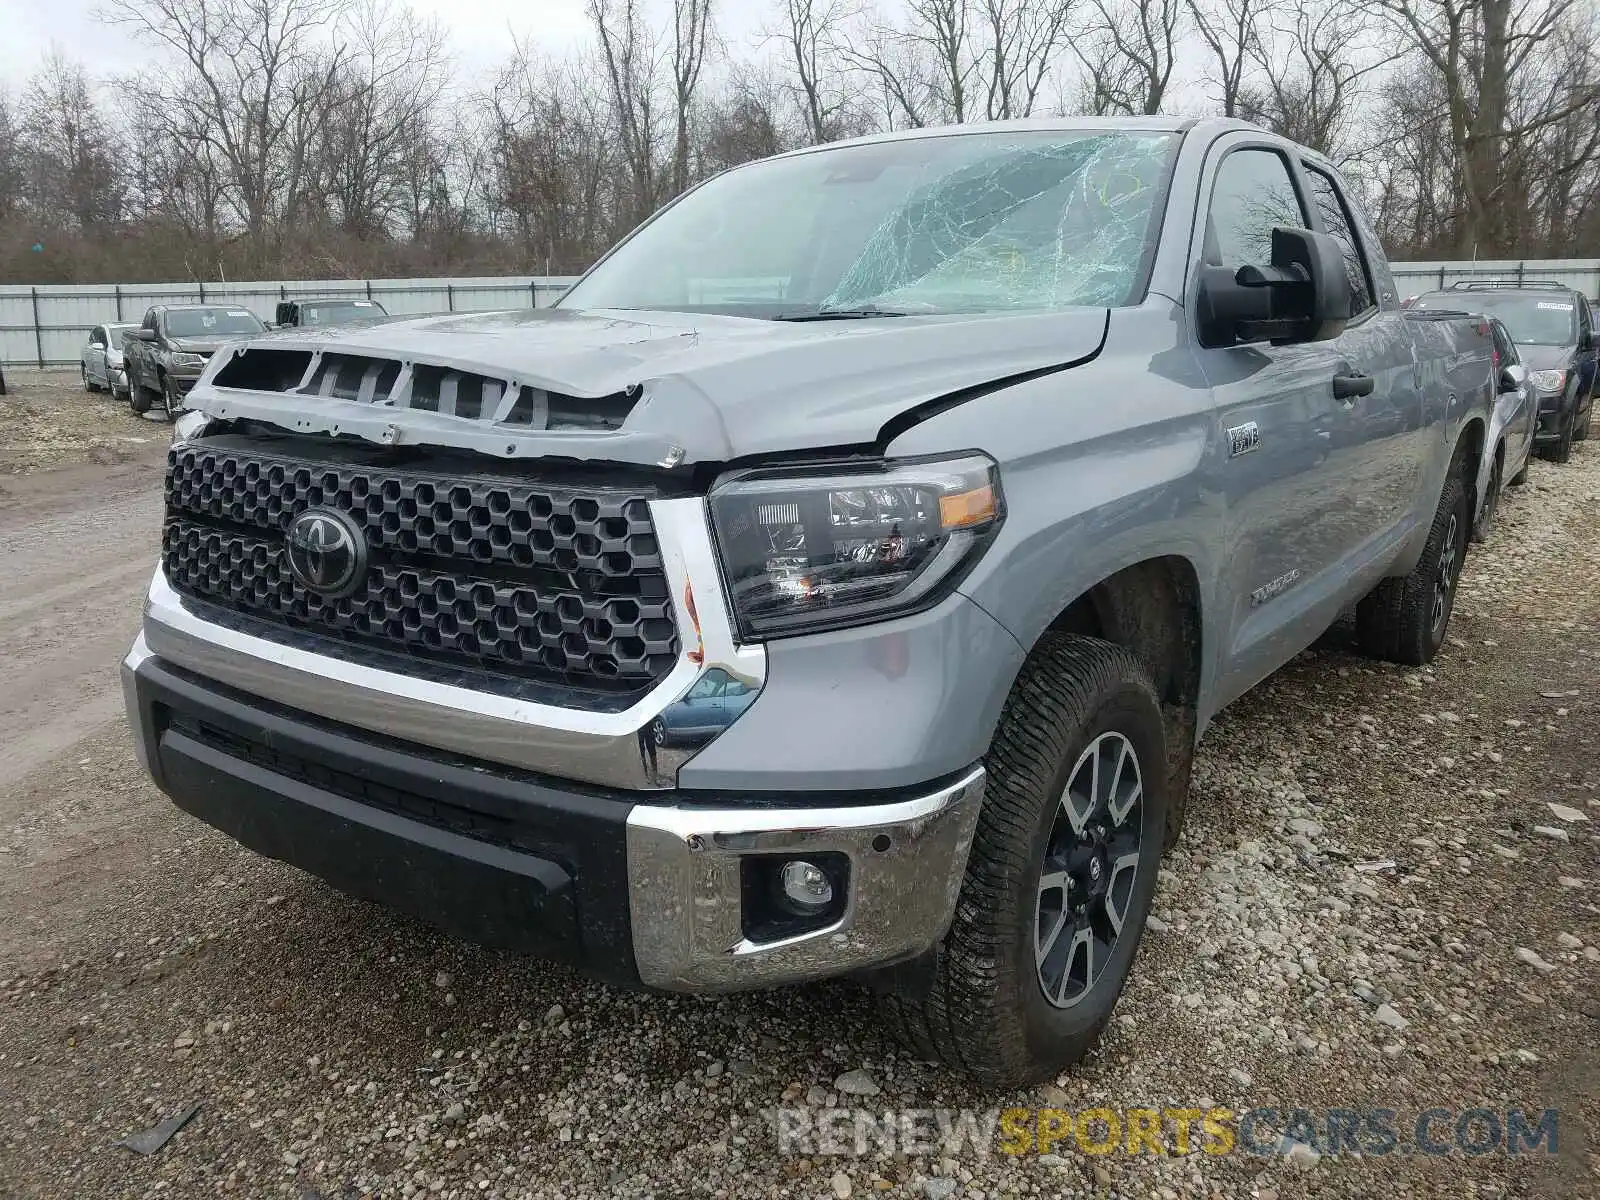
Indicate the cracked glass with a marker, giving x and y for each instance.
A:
(972, 222)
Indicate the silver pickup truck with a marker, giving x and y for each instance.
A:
(835, 581)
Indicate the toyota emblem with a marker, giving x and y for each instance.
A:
(327, 552)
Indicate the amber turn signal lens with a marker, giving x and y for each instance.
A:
(965, 509)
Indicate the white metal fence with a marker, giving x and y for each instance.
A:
(45, 326)
(48, 325)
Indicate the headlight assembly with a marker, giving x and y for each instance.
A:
(1548, 381)
(188, 360)
(823, 546)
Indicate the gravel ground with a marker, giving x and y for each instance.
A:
(47, 420)
(337, 1050)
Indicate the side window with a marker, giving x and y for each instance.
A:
(149, 320)
(1336, 220)
(1585, 316)
(1252, 193)
(97, 337)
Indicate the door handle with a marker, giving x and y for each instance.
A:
(1347, 385)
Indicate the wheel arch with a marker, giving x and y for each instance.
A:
(1153, 608)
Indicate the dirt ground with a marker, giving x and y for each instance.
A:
(1386, 898)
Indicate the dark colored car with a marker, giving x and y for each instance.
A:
(337, 310)
(166, 354)
(1553, 328)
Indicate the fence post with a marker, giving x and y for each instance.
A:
(369, 289)
(38, 332)
(450, 296)
(1520, 265)
(119, 301)
(1441, 277)
(202, 283)
(533, 293)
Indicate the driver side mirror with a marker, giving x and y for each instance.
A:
(1513, 377)
(1303, 295)
(143, 335)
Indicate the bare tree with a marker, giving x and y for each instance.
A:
(1476, 47)
(811, 29)
(11, 171)
(250, 78)
(1128, 53)
(1025, 38)
(630, 54)
(381, 111)
(1228, 28)
(691, 30)
(1310, 77)
(70, 168)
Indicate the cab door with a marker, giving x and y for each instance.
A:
(1383, 491)
(1284, 444)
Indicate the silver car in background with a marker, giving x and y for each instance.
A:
(101, 359)
(1511, 428)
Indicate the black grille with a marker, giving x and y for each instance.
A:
(534, 582)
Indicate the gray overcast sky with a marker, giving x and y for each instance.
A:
(478, 31)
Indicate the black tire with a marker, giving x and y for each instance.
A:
(1491, 498)
(1401, 620)
(980, 1006)
(138, 398)
(1581, 433)
(87, 386)
(1521, 477)
(171, 398)
(1560, 451)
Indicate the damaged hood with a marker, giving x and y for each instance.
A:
(710, 388)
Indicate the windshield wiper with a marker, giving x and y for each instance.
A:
(862, 313)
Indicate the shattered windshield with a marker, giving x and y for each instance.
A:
(974, 222)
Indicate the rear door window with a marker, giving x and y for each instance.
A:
(1335, 217)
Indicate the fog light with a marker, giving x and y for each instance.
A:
(806, 886)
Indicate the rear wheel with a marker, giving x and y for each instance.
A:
(1581, 433)
(1060, 876)
(87, 386)
(1404, 620)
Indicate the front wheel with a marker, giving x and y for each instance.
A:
(1060, 876)
(1404, 620)
(171, 398)
(87, 386)
(1560, 451)
(138, 397)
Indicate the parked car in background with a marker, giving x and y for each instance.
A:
(992, 462)
(1511, 426)
(1553, 329)
(165, 355)
(336, 310)
(101, 359)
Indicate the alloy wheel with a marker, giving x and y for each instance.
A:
(1091, 863)
(1444, 581)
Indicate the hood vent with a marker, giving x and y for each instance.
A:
(426, 387)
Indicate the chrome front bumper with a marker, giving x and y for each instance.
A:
(691, 923)
(686, 894)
